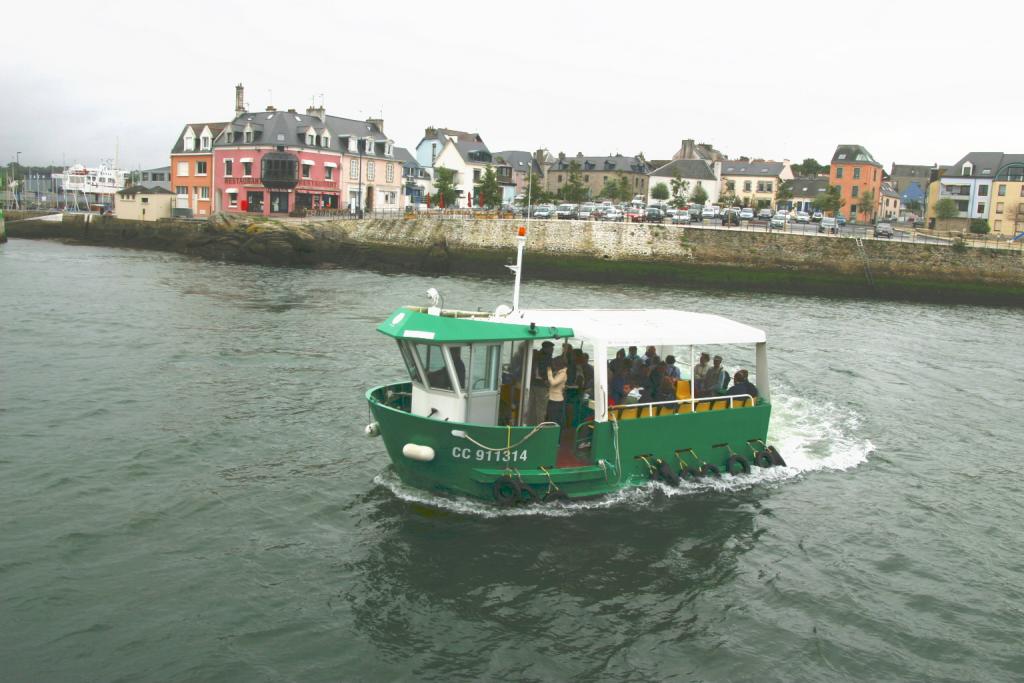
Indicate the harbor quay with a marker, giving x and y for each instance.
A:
(577, 251)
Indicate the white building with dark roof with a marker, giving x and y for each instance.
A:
(693, 172)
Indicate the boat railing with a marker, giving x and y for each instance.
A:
(680, 406)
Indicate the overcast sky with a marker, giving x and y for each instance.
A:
(915, 82)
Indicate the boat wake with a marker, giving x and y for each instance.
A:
(811, 436)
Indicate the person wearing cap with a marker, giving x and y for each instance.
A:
(742, 385)
(671, 369)
(539, 383)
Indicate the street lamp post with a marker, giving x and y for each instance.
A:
(17, 197)
(361, 146)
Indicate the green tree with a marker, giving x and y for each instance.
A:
(535, 192)
(784, 194)
(979, 226)
(809, 167)
(660, 192)
(830, 201)
(946, 208)
(488, 188)
(574, 190)
(699, 195)
(617, 189)
(444, 183)
(680, 189)
(866, 204)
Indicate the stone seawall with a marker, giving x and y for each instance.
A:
(580, 250)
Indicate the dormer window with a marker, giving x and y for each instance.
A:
(204, 143)
(967, 169)
(353, 145)
(229, 137)
(325, 141)
(247, 137)
(190, 142)
(387, 149)
(309, 139)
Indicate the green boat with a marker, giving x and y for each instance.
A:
(470, 421)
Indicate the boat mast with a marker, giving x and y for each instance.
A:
(521, 243)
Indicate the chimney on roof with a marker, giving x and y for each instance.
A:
(291, 111)
(430, 132)
(318, 112)
(376, 122)
(270, 107)
(239, 100)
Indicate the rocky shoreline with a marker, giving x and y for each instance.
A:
(568, 250)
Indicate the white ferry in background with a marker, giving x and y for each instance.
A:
(92, 184)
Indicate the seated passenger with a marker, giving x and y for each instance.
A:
(619, 387)
(666, 390)
(742, 385)
(618, 361)
(460, 367)
(632, 355)
(671, 369)
(651, 357)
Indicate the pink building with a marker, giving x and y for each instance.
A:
(275, 162)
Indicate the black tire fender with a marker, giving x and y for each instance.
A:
(690, 474)
(763, 459)
(667, 474)
(527, 495)
(507, 491)
(713, 470)
(776, 457)
(737, 460)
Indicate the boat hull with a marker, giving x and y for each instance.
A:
(467, 459)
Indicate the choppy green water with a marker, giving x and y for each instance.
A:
(186, 495)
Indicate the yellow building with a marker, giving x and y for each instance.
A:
(752, 183)
(138, 203)
(1007, 214)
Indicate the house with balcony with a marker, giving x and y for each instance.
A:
(434, 139)
(596, 172)
(753, 183)
(521, 166)
(1007, 215)
(276, 162)
(416, 179)
(191, 176)
(469, 160)
(859, 178)
(968, 182)
(691, 174)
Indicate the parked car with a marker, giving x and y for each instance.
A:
(778, 221)
(828, 225)
(708, 212)
(611, 213)
(566, 211)
(840, 220)
(764, 215)
(681, 217)
(817, 216)
(731, 217)
(695, 211)
(746, 214)
(884, 230)
(544, 211)
(654, 215)
(803, 217)
(634, 214)
(586, 211)
(717, 209)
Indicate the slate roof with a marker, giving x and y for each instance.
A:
(614, 163)
(405, 157)
(980, 162)
(888, 191)
(197, 128)
(518, 160)
(273, 128)
(142, 189)
(806, 188)
(853, 154)
(761, 169)
(911, 171)
(697, 169)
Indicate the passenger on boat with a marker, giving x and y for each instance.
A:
(584, 371)
(632, 355)
(742, 385)
(460, 367)
(713, 378)
(640, 376)
(557, 376)
(619, 386)
(666, 390)
(651, 357)
(618, 361)
(671, 369)
(699, 371)
(539, 383)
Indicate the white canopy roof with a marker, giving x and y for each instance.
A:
(659, 327)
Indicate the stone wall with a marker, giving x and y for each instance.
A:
(580, 250)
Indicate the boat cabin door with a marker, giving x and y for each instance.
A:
(482, 389)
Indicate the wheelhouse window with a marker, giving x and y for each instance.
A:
(484, 366)
(432, 360)
(410, 363)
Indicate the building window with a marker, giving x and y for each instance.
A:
(229, 167)
(247, 169)
(982, 190)
(389, 173)
(248, 136)
(306, 170)
(387, 149)
(309, 139)
(204, 143)
(353, 169)
(855, 192)
(559, 178)
(200, 168)
(183, 169)
(190, 143)
(1022, 190)
(998, 226)
(328, 173)
(371, 170)
(232, 200)
(325, 141)
(853, 210)
(768, 186)
(586, 178)
(181, 190)
(981, 207)
(1002, 190)
(229, 138)
(999, 207)
(746, 186)
(856, 172)
(204, 192)
(476, 175)
(839, 171)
